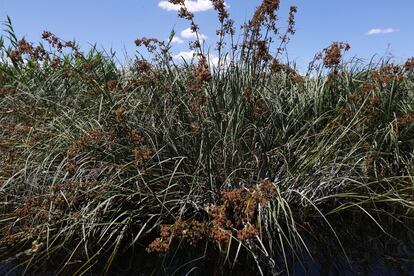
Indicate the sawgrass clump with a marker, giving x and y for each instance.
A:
(240, 157)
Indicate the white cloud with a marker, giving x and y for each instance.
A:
(214, 61)
(177, 40)
(192, 5)
(189, 34)
(187, 56)
(165, 5)
(192, 56)
(380, 31)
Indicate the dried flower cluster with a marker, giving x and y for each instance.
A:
(264, 19)
(142, 66)
(387, 75)
(93, 137)
(244, 203)
(145, 75)
(291, 20)
(293, 75)
(151, 44)
(236, 216)
(226, 24)
(141, 155)
(406, 120)
(33, 210)
(141, 152)
(24, 48)
(196, 103)
(60, 44)
(265, 16)
(202, 74)
(191, 231)
(161, 244)
(186, 14)
(370, 97)
(291, 30)
(7, 90)
(111, 85)
(257, 104)
(332, 55)
(183, 11)
(220, 7)
(409, 65)
(119, 113)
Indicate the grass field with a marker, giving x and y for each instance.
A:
(240, 157)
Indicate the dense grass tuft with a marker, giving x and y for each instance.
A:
(241, 158)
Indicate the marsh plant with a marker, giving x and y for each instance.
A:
(239, 157)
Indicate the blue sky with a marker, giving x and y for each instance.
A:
(371, 27)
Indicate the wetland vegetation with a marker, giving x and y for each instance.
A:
(170, 167)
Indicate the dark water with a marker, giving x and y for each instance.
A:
(364, 250)
(366, 255)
